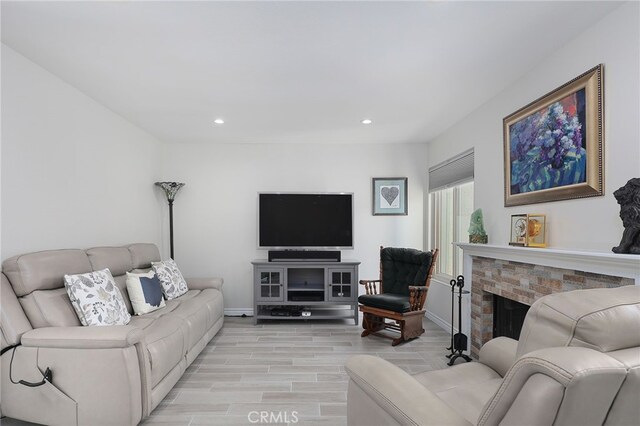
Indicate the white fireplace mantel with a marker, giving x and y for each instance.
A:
(621, 265)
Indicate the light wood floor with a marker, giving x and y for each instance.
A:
(284, 367)
(281, 368)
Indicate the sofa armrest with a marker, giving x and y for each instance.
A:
(499, 354)
(204, 283)
(105, 337)
(381, 393)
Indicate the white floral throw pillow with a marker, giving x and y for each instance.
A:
(173, 283)
(96, 298)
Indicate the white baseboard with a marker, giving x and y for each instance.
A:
(444, 324)
(238, 312)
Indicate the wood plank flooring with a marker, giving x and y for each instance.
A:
(282, 368)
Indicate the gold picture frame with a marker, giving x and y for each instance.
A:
(528, 230)
(537, 230)
(553, 147)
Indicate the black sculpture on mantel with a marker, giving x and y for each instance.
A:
(629, 199)
(170, 190)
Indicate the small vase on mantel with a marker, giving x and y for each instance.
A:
(477, 234)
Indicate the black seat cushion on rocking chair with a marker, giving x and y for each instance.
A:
(402, 267)
(388, 301)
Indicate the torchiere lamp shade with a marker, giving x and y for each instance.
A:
(170, 189)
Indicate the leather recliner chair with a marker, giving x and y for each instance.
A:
(577, 363)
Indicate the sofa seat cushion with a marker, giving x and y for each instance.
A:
(464, 387)
(199, 312)
(170, 305)
(141, 322)
(190, 294)
(165, 342)
(388, 301)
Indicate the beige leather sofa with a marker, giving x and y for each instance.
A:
(577, 363)
(101, 375)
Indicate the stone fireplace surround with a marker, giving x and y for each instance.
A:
(526, 274)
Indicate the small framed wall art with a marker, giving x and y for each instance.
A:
(389, 196)
(528, 230)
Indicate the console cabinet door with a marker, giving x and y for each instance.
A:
(270, 284)
(341, 284)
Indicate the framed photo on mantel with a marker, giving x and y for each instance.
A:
(553, 147)
(528, 230)
(389, 196)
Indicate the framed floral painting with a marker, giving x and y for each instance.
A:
(553, 147)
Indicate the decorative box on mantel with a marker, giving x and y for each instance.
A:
(526, 274)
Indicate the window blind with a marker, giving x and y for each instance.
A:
(451, 172)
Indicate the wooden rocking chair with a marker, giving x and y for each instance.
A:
(399, 294)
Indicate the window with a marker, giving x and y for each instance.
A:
(451, 210)
(451, 205)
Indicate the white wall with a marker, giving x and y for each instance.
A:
(74, 174)
(215, 214)
(590, 223)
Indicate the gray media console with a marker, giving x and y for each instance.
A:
(289, 290)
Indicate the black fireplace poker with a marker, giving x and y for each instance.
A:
(459, 339)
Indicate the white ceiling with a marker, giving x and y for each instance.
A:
(293, 72)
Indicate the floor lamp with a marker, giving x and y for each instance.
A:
(170, 190)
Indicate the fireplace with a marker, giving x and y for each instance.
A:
(508, 317)
(524, 275)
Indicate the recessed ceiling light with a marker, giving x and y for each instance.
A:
(218, 121)
(366, 121)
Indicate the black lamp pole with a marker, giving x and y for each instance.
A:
(171, 226)
(170, 190)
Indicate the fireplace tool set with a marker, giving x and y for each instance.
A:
(459, 339)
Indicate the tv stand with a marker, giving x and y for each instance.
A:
(305, 289)
(304, 255)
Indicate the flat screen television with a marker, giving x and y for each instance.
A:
(305, 221)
